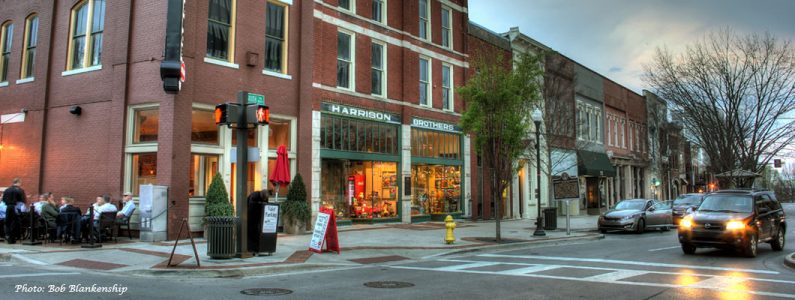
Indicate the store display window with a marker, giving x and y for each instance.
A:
(436, 189)
(360, 189)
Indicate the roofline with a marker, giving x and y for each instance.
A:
(488, 36)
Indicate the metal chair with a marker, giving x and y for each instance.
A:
(125, 222)
(107, 224)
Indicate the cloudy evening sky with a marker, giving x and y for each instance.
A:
(616, 37)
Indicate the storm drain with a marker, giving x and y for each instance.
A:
(388, 284)
(266, 292)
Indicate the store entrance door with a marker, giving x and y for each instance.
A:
(592, 194)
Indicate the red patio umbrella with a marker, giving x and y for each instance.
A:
(281, 172)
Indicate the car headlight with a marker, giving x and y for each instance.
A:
(735, 225)
(686, 223)
(629, 217)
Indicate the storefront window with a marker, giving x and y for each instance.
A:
(279, 134)
(145, 126)
(203, 128)
(360, 189)
(357, 135)
(202, 170)
(252, 138)
(144, 170)
(435, 144)
(436, 189)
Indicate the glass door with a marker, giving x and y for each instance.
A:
(254, 176)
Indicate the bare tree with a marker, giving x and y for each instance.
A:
(732, 92)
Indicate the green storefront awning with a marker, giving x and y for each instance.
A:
(591, 163)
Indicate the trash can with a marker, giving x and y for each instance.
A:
(221, 241)
(550, 218)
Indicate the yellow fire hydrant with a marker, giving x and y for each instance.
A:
(450, 225)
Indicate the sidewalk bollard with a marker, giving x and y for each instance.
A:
(450, 225)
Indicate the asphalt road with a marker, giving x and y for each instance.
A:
(621, 266)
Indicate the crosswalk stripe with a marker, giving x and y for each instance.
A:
(527, 270)
(627, 262)
(467, 266)
(719, 282)
(710, 286)
(38, 274)
(617, 275)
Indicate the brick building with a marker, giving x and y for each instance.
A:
(625, 141)
(90, 116)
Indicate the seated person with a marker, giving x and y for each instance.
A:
(66, 225)
(100, 206)
(38, 204)
(49, 213)
(129, 206)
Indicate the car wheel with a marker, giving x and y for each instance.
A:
(750, 246)
(688, 249)
(603, 230)
(778, 241)
(641, 227)
(665, 228)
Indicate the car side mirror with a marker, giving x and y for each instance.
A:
(651, 208)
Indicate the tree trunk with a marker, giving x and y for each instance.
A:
(497, 199)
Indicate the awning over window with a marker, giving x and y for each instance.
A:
(591, 163)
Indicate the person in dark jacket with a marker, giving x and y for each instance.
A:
(69, 219)
(11, 196)
(50, 214)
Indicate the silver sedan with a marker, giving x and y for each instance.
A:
(636, 215)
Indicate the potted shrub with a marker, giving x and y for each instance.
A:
(295, 210)
(219, 223)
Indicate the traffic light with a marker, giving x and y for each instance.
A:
(777, 163)
(258, 114)
(226, 114)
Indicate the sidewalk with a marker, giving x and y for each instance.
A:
(360, 244)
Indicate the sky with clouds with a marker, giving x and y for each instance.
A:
(617, 37)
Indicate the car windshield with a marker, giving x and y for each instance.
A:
(688, 200)
(727, 203)
(633, 204)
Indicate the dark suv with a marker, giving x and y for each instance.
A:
(735, 219)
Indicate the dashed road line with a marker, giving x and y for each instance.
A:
(666, 248)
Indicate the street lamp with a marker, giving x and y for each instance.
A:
(537, 118)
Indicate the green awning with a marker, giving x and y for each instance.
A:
(591, 163)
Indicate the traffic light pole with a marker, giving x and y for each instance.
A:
(242, 177)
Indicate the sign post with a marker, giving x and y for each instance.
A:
(325, 232)
(566, 189)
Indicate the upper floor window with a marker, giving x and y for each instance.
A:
(29, 51)
(425, 7)
(425, 79)
(379, 11)
(6, 37)
(447, 87)
(347, 4)
(378, 67)
(221, 30)
(447, 27)
(145, 125)
(276, 37)
(344, 60)
(86, 32)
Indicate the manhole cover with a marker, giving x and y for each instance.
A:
(388, 284)
(266, 292)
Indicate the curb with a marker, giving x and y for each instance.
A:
(789, 260)
(237, 272)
